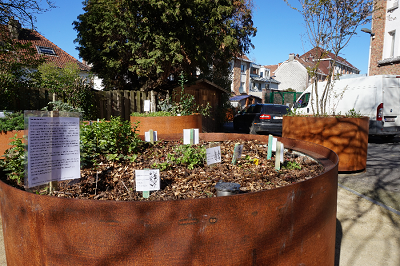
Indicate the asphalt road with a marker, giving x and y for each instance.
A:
(381, 179)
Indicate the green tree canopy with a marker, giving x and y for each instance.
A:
(139, 44)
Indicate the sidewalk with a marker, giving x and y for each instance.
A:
(367, 234)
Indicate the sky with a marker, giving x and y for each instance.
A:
(280, 31)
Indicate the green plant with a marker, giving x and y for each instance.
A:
(14, 160)
(12, 121)
(291, 165)
(353, 113)
(152, 114)
(61, 106)
(187, 155)
(113, 140)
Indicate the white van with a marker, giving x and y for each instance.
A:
(377, 97)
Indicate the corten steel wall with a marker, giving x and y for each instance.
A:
(5, 139)
(291, 225)
(347, 137)
(167, 124)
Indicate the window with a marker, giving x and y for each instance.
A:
(45, 50)
(393, 37)
(243, 68)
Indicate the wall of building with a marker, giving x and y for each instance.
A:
(386, 20)
(292, 75)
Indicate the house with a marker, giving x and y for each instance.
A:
(293, 74)
(249, 78)
(384, 55)
(44, 47)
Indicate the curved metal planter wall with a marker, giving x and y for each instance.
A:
(347, 137)
(5, 139)
(167, 124)
(292, 225)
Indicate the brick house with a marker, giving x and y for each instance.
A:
(292, 73)
(250, 78)
(385, 37)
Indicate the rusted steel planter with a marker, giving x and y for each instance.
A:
(167, 124)
(292, 225)
(5, 139)
(347, 137)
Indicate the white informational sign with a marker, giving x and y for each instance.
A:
(274, 140)
(213, 155)
(147, 136)
(147, 105)
(187, 135)
(53, 149)
(147, 180)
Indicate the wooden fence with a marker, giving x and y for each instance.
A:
(122, 103)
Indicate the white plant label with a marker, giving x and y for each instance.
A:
(53, 149)
(147, 105)
(147, 180)
(274, 140)
(213, 155)
(188, 138)
(147, 136)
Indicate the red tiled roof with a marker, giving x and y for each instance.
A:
(60, 58)
(272, 68)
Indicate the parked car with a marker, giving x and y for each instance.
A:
(261, 118)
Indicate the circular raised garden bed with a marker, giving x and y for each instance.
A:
(290, 225)
(346, 136)
(167, 124)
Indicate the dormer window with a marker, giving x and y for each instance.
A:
(45, 50)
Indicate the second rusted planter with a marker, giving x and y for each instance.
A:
(347, 137)
(291, 225)
(167, 124)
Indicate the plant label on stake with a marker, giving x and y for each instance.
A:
(269, 152)
(279, 155)
(237, 152)
(147, 180)
(150, 136)
(191, 136)
(213, 155)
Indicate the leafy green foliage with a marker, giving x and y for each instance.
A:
(140, 44)
(14, 160)
(67, 84)
(291, 165)
(353, 113)
(187, 155)
(60, 106)
(12, 121)
(114, 140)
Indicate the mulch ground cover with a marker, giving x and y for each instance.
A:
(252, 171)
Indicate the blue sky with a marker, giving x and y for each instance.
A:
(280, 32)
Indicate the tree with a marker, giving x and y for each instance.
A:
(69, 85)
(24, 11)
(330, 25)
(140, 44)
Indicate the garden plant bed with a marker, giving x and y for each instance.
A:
(116, 181)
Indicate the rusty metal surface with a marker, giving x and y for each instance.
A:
(5, 140)
(167, 124)
(292, 225)
(347, 137)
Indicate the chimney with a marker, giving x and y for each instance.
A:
(14, 27)
(291, 57)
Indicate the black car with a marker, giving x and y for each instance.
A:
(261, 118)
